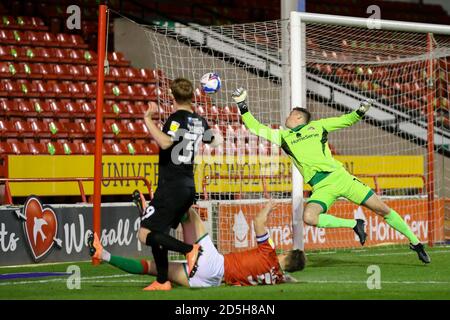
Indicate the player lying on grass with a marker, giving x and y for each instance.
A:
(305, 142)
(178, 141)
(252, 267)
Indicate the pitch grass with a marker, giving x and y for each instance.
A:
(328, 275)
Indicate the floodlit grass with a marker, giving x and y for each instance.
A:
(328, 275)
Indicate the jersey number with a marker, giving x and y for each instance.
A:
(188, 147)
(148, 212)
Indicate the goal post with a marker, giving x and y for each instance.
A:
(427, 60)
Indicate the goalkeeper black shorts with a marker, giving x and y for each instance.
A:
(167, 207)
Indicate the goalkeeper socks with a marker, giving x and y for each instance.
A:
(395, 221)
(329, 221)
(129, 265)
(155, 238)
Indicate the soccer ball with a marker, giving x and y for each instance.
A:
(210, 82)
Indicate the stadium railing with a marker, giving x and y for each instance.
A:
(8, 181)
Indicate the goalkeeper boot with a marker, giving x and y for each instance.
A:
(359, 230)
(95, 247)
(156, 286)
(420, 249)
(139, 201)
(192, 259)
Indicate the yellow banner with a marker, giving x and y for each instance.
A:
(216, 174)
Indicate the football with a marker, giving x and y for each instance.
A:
(210, 82)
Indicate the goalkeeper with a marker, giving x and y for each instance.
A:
(305, 142)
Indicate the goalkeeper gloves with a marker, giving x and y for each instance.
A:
(239, 96)
(364, 107)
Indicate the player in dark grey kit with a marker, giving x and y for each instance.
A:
(178, 141)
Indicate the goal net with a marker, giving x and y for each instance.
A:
(405, 73)
(341, 66)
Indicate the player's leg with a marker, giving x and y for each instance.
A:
(164, 212)
(324, 195)
(393, 219)
(193, 227)
(135, 266)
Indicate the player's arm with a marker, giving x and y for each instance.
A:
(255, 127)
(213, 137)
(261, 218)
(162, 139)
(346, 120)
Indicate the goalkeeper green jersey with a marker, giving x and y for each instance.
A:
(306, 145)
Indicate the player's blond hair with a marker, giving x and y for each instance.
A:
(182, 90)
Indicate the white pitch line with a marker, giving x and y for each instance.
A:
(65, 279)
(399, 253)
(36, 265)
(364, 282)
(379, 254)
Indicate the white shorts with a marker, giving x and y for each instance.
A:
(210, 266)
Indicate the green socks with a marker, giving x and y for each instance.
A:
(329, 221)
(395, 221)
(129, 265)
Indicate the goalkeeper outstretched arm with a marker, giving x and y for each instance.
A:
(240, 97)
(346, 120)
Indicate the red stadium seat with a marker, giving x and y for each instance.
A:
(117, 59)
(60, 55)
(137, 129)
(75, 90)
(18, 147)
(148, 75)
(5, 53)
(141, 92)
(90, 72)
(61, 71)
(5, 148)
(37, 148)
(73, 109)
(9, 88)
(26, 108)
(8, 108)
(75, 131)
(86, 148)
(76, 72)
(5, 71)
(88, 109)
(132, 75)
(43, 54)
(147, 147)
(116, 74)
(212, 113)
(7, 129)
(73, 147)
(37, 70)
(89, 90)
(40, 89)
(23, 128)
(115, 148)
(39, 129)
(47, 39)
